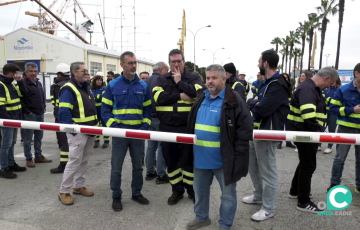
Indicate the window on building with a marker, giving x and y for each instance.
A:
(95, 67)
(110, 67)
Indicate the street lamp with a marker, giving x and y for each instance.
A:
(194, 40)
(327, 55)
(214, 52)
(222, 61)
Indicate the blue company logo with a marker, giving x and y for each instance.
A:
(22, 41)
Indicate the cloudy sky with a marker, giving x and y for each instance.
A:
(243, 28)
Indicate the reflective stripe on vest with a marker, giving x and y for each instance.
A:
(10, 101)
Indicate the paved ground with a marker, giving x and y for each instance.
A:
(30, 201)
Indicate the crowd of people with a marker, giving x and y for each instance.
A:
(178, 101)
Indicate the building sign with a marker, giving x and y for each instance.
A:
(22, 45)
(346, 76)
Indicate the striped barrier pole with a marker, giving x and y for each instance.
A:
(93, 130)
(310, 137)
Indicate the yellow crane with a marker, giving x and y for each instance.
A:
(183, 33)
(313, 52)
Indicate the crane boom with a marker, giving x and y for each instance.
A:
(8, 3)
(81, 9)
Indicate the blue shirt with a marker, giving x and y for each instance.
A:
(207, 129)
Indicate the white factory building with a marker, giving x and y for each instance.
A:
(47, 51)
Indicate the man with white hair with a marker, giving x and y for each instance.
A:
(244, 82)
(63, 76)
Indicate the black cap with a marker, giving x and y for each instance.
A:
(230, 68)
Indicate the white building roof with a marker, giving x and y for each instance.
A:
(89, 48)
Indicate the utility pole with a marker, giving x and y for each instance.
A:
(104, 20)
(121, 16)
(327, 55)
(75, 17)
(40, 21)
(134, 31)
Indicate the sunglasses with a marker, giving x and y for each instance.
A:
(82, 70)
(176, 61)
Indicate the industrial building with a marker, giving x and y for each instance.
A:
(47, 51)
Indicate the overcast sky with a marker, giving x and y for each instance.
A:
(243, 28)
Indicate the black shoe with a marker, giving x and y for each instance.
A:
(331, 186)
(290, 145)
(140, 199)
(116, 205)
(279, 146)
(162, 180)
(7, 174)
(150, 176)
(295, 196)
(17, 168)
(309, 207)
(192, 197)
(57, 170)
(174, 199)
(96, 145)
(105, 145)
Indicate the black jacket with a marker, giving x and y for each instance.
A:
(151, 82)
(33, 97)
(170, 109)
(8, 86)
(246, 85)
(239, 87)
(236, 130)
(273, 108)
(56, 89)
(303, 116)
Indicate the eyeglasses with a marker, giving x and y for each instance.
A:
(131, 63)
(82, 70)
(176, 61)
(258, 75)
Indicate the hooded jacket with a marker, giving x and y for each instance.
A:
(235, 132)
(236, 85)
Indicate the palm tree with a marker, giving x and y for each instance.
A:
(286, 43)
(282, 52)
(279, 67)
(276, 41)
(297, 53)
(294, 39)
(341, 18)
(303, 31)
(327, 8)
(314, 24)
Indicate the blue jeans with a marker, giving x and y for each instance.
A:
(28, 135)
(263, 172)
(331, 125)
(340, 157)
(7, 147)
(202, 181)
(151, 150)
(119, 149)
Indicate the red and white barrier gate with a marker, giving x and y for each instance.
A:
(312, 137)
(126, 133)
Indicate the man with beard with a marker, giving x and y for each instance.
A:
(256, 84)
(174, 95)
(269, 110)
(110, 77)
(233, 81)
(126, 104)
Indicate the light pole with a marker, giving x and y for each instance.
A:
(327, 55)
(214, 52)
(222, 61)
(194, 40)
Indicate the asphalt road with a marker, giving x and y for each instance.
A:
(30, 201)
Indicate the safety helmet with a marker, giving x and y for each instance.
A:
(63, 68)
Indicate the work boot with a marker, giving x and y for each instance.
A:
(105, 145)
(140, 199)
(42, 159)
(290, 145)
(331, 186)
(83, 191)
(162, 180)
(66, 199)
(195, 224)
(174, 199)
(150, 176)
(57, 170)
(7, 174)
(116, 205)
(96, 145)
(17, 168)
(30, 163)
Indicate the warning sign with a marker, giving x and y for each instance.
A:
(346, 76)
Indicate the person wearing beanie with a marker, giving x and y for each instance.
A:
(233, 81)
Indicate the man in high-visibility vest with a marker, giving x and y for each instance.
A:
(10, 108)
(233, 81)
(77, 107)
(174, 95)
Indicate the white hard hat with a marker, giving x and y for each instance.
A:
(63, 68)
(100, 74)
(242, 73)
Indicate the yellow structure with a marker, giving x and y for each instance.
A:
(313, 52)
(183, 33)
